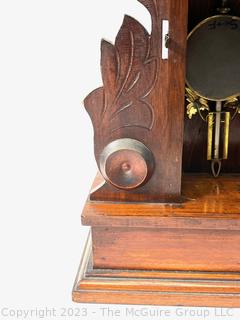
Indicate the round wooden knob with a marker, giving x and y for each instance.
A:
(126, 163)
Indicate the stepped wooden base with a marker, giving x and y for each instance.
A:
(154, 254)
(175, 288)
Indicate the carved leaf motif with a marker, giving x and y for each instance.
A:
(130, 79)
(132, 46)
(94, 104)
(109, 63)
(151, 5)
(129, 74)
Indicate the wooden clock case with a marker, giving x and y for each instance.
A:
(163, 230)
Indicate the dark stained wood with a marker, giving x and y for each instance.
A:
(143, 99)
(159, 288)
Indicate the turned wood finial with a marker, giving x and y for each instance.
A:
(126, 163)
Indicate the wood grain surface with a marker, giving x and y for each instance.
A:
(161, 249)
(207, 203)
(142, 98)
(177, 288)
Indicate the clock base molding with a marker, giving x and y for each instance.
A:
(160, 254)
(162, 288)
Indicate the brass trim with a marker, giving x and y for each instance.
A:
(195, 104)
(226, 135)
(210, 135)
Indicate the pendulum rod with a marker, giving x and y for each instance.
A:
(216, 162)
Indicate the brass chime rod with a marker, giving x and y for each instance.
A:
(216, 162)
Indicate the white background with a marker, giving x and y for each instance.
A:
(49, 61)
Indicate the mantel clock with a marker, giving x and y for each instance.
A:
(164, 209)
